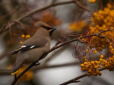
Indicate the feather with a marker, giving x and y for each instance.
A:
(23, 48)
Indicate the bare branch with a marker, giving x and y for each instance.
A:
(8, 72)
(34, 11)
(10, 13)
(81, 6)
(76, 79)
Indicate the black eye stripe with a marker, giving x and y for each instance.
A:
(47, 28)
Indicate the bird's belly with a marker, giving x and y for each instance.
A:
(34, 55)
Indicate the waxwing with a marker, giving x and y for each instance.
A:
(34, 47)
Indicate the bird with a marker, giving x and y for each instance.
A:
(34, 47)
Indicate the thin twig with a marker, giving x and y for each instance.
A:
(76, 79)
(10, 13)
(34, 11)
(34, 69)
(81, 6)
(21, 24)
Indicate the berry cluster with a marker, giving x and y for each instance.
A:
(27, 76)
(92, 66)
(25, 37)
(102, 20)
(92, 1)
(109, 64)
(77, 26)
(111, 48)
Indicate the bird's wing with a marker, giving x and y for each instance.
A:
(23, 48)
(31, 44)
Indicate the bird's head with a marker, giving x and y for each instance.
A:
(49, 29)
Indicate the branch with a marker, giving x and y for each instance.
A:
(34, 11)
(8, 72)
(81, 6)
(75, 79)
(10, 13)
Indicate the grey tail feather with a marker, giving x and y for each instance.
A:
(4, 55)
(7, 54)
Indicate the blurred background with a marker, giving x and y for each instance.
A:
(16, 25)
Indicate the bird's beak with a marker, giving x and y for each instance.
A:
(51, 31)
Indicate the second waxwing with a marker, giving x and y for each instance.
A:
(34, 47)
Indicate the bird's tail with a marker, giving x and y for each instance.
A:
(5, 54)
(18, 65)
